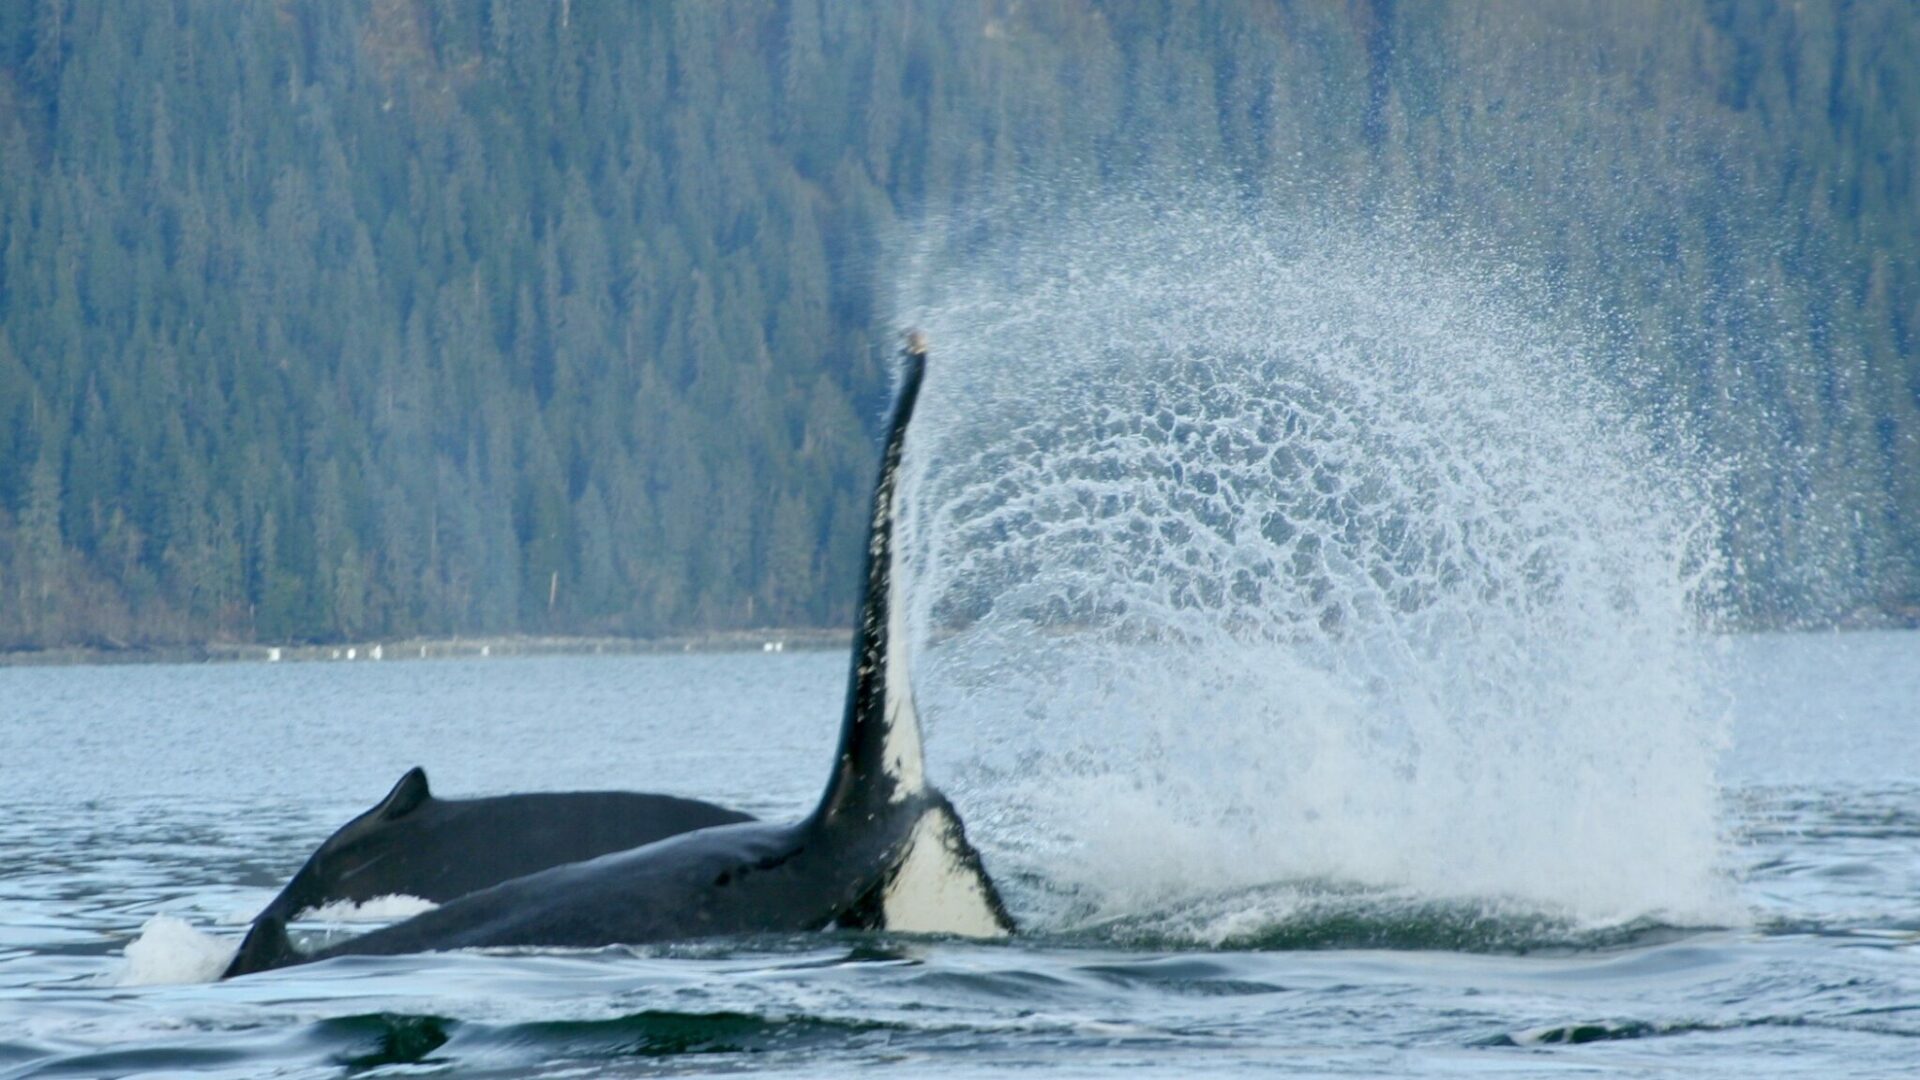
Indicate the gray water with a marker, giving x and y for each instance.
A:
(192, 792)
(1308, 631)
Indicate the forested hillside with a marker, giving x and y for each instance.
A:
(327, 320)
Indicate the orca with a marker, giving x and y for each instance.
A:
(882, 849)
(414, 844)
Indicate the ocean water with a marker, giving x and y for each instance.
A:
(150, 811)
(1315, 640)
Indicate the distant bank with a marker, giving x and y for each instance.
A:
(381, 651)
(791, 639)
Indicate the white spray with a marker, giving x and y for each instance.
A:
(1255, 561)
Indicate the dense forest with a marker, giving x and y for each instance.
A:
(330, 320)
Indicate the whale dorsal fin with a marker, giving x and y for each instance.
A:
(407, 796)
(265, 947)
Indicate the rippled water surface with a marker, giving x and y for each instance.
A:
(193, 791)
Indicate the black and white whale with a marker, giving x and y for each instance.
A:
(412, 843)
(883, 849)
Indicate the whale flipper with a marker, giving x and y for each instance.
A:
(938, 883)
(939, 887)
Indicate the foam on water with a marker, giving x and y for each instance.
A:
(171, 950)
(1255, 559)
(379, 909)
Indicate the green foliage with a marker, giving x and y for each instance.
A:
(326, 320)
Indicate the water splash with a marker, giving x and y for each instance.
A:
(1255, 556)
(171, 950)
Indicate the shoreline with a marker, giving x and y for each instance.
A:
(769, 640)
(763, 639)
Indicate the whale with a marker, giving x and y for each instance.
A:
(882, 849)
(412, 843)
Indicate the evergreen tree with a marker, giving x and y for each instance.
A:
(323, 320)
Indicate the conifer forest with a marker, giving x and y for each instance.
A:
(323, 321)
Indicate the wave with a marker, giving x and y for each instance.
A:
(1325, 915)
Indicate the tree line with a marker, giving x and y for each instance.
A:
(322, 321)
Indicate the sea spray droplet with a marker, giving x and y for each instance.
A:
(1254, 555)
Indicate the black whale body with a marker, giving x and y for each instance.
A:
(882, 850)
(414, 844)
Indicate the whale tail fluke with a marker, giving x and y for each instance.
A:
(266, 947)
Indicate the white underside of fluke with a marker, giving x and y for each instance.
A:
(935, 891)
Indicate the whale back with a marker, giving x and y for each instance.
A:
(414, 844)
(938, 884)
